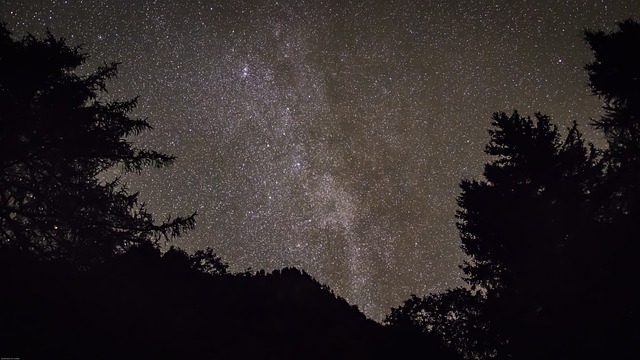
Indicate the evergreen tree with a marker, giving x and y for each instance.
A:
(519, 227)
(454, 318)
(208, 262)
(524, 229)
(614, 76)
(58, 138)
(552, 231)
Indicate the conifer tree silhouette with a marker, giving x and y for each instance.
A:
(58, 137)
(551, 231)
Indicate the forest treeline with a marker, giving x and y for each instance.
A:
(149, 305)
(551, 235)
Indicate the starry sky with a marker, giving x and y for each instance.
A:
(330, 135)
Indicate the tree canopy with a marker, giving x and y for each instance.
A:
(551, 231)
(59, 136)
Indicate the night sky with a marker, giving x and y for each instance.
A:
(330, 135)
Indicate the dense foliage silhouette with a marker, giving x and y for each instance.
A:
(144, 304)
(551, 231)
(58, 139)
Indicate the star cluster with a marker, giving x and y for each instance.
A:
(330, 135)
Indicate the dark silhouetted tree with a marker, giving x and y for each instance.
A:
(453, 317)
(58, 139)
(524, 228)
(614, 76)
(552, 231)
(206, 261)
(518, 226)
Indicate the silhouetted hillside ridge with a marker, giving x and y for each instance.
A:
(143, 304)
